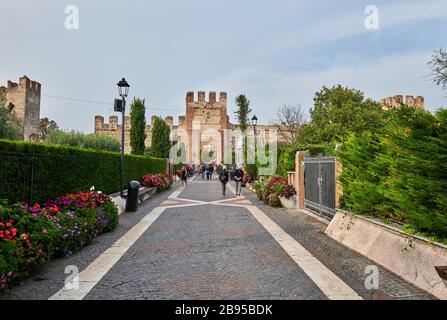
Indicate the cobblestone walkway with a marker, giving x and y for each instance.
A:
(196, 244)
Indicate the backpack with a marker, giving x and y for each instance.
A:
(224, 176)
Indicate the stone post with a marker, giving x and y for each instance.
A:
(338, 187)
(299, 178)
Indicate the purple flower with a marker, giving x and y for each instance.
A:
(70, 215)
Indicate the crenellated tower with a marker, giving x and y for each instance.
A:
(23, 102)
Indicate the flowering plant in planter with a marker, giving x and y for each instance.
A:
(152, 181)
(288, 192)
(276, 181)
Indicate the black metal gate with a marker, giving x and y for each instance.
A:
(320, 185)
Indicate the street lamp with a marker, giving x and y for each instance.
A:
(123, 89)
(254, 122)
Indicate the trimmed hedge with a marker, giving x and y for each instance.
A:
(35, 172)
(400, 174)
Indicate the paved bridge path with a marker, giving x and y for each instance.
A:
(193, 243)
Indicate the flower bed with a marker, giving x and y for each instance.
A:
(33, 235)
(271, 191)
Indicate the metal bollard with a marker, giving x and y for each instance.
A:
(132, 196)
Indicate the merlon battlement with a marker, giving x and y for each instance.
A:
(114, 123)
(24, 83)
(212, 97)
(398, 100)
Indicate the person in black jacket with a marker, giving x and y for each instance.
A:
(184, 176)
(238, 178)
(210, 171)
(224, 177)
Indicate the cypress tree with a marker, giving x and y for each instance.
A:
(161, 143)
(138, 129)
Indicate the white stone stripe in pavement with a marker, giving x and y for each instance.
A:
(90, 276)
(331, 285)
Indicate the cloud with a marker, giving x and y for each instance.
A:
(397, 74)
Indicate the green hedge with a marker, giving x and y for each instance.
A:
(400, 173)
(36, 172)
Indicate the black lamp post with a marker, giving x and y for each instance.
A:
(254, 122)
(123, 89)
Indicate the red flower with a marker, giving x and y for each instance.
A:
(44, 231)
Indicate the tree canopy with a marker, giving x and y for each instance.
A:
(438, 65)
(81, 140)
(9, 127)
(338, 112)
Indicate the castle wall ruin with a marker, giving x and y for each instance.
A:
(23, 102)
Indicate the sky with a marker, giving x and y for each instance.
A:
(275, 52)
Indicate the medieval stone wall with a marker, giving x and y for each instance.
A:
(23, 102)
(203, 126)
(398, 100)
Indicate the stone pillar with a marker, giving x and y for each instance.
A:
(409, 101)
(212, 97)
(338, 187)
(299, 178)
(420, 102)
(113, 122)
(99, 123)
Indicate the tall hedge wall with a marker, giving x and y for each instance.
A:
(35, 172)
(400, 173)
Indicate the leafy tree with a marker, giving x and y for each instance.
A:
(243, 112)
(9, 127)
(161, 143)
(337, 113)
(45, 126)
(81, 140)
(138, 127)
(438, 65)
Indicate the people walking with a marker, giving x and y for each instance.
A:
(220, 168)
(210, 171)
(238, 178)
(184, 176)
(203, 170)
(224, 177)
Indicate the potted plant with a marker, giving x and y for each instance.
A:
(288, 197)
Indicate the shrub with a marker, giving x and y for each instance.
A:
(37, 172)
(81, 140)
(400, 173)
(273, 200)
